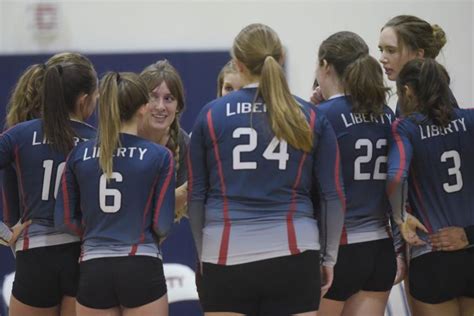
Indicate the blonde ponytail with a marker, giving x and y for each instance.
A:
(258, 47)
(121, 95)
(286, 117)
(109, 121)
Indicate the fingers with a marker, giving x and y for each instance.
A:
(27, 223)
(419, 225)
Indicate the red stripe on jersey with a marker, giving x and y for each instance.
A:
(67, 208)
(344, 240)
(145, 213)
(26, 239)
(337, 179)
(190, 173)
(290, 227)
(423, 212)
(20, 182)
(6, 209)
(289, 217)
(224, 247)
(164, 188)
(134, 250)
(393, 183)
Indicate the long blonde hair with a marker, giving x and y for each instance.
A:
(121, 95)
(258, 47)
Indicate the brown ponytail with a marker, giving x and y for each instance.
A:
(63, 84)
(430, 84)
(360, 73)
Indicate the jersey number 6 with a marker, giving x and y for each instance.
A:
(105, 192)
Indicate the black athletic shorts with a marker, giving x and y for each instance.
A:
(440, 276)
(278, 286)
(45, 274)
(130, 282)
(365, 266)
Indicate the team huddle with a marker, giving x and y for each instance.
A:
(296, 207)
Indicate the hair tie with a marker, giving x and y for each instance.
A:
(118, 77)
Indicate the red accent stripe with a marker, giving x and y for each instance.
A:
(26, 239)
(290, 226)
(67, 209)
(133, 251)
(337, 179)
(190, 173)
(224, 247)
(6, 209)
(395, 181)
(289, 218)
(344, 240)
(420, 200)
(164, 188)
(20, 183)
(337, 182)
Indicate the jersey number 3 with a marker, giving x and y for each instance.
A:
(454, 171)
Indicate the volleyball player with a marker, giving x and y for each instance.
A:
(25, 105)
(352, 83)
(46, 259)
(160, 123)
(228, 79)
(254, 156)
(431, 158)
(117, 192)
(406, 37)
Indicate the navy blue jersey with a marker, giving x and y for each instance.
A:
(10, 196)
(363, 142)
(250, 193)
(38, 168)
(439, 165)
(119, 216)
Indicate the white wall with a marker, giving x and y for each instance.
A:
(119, 26)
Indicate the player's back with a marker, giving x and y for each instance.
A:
(442, 168)
(257, 169)
(38, 167)
(119, 213)
(363, 144)
(257, 188)
(441, 173)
